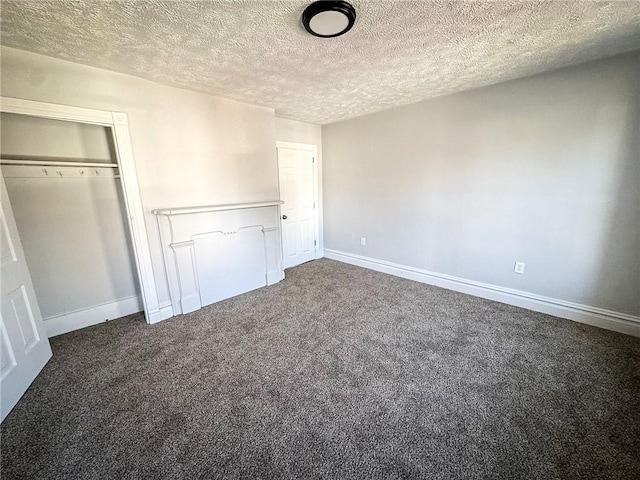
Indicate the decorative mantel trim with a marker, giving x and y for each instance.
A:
(214, 208)
(218, 251)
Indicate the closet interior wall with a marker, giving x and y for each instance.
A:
(65, 192)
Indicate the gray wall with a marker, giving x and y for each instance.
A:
(544, 170)
(25, 137)
(190, 148)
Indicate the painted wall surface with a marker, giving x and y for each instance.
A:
(73, 230)
(301, 132)
(26, 137)
(190, 148)
(543, 170)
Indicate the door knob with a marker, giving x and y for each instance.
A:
(284, 217)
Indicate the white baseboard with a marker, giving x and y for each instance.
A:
(598, 317)
(166, 311)
(191, 303)
(163, 312)
(69, 322)
(274, 276)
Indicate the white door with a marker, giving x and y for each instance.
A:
(24, 347)
(296, 172)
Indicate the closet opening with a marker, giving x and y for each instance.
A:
(64, 185)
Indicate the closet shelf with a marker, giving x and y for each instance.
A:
(47, 163)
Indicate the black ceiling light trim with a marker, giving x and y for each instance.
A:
(327, 6)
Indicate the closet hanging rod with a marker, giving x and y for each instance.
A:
(44, 163)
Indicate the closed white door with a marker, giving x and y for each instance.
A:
(296, 172)
(24, 347)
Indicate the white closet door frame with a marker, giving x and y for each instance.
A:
(316, 196)
(118, 123)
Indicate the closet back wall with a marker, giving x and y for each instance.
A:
(73, 230)
(27, 136)
(190, 148)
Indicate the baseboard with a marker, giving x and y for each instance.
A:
(191, 303)
(163, 312)
(319, 253)
(598, 317)
(274, 276)
(69, 322)
(166, 311)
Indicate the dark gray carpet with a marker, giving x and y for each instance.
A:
(337, 372)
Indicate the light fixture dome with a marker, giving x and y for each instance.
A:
(328, 18)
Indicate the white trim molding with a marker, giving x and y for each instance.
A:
(164, 311)
(598, 317)
(55, 111)
(68, 322)
(214, 208)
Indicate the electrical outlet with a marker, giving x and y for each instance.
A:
(519, 268)
(363, 241)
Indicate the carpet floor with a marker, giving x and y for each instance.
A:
(335, 373)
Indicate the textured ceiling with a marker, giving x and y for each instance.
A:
(398, 52)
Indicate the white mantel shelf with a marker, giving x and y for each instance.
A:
(214, 208)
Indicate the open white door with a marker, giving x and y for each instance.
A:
(24, 347)
(296, 175)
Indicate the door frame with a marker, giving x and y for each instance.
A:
(317, 220)
(118, 124)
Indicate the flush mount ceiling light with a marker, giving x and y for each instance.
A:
(328, 18)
